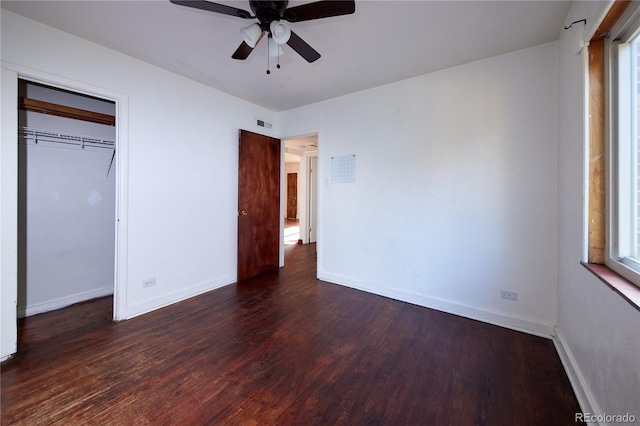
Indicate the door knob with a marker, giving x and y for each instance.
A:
(242, 213)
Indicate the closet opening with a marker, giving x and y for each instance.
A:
(66, 198)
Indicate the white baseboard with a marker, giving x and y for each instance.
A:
(578, 383)
(61, 302)
(164, 300)
(495, 318)
(131, 311)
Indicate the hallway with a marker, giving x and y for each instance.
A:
(291, 233)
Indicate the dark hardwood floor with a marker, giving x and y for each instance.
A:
(282, 348)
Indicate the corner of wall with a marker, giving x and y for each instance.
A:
(524, 325)
(577, 380)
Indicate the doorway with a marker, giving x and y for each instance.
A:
(301, 156)
(291, 221)
(66, 197)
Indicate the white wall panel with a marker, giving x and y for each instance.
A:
(455, 196)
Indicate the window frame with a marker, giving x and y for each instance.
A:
(621, 223)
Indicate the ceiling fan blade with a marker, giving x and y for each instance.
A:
(303, 49)
(213, 7)
(319, 9)
(244, 50)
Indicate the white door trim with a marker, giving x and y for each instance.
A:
(311, 230)
(121, 169)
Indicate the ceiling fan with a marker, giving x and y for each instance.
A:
(270, 15)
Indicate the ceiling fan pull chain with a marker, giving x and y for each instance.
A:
(268, 70)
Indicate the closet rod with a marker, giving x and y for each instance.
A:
(38, 135)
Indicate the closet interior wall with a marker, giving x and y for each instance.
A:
(66, 229)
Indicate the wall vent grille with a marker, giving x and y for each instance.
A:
(262, 123)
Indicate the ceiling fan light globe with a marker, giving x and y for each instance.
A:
(251, 34)
(280, 32)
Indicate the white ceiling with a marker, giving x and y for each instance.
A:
(295, 148)
(382, 42)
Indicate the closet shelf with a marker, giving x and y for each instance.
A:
(38, 135)
(65, 111)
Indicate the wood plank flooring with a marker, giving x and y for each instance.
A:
(282, 348)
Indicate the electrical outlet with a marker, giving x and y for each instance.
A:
(509, 295)
(148, 283)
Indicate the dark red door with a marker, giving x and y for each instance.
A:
(258, 204)
(292, 195)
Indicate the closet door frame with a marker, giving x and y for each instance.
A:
(120, 168)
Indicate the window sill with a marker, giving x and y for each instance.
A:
(629, 291)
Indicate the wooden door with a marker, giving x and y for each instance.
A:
(292, 195)
(258, 204)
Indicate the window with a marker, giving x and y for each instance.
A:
(623, 248)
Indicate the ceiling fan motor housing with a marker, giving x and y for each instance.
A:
(268, 11)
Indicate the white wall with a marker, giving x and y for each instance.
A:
(598, 331)
(8, 212)
(456, 194)
(292, 167)
(180, 149)
(66, 235)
